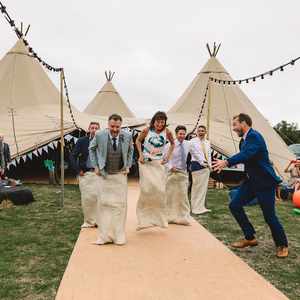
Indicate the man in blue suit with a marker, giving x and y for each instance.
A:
(261, 183)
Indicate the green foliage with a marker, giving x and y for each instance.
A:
(289, 132)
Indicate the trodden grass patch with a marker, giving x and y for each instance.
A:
(282, 273)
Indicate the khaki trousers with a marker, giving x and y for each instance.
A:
(199, 190)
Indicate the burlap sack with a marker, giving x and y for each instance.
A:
(151, 206)
(112, 209)
(89, 189)
(178, 207)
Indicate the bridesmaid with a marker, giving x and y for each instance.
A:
(151, 207)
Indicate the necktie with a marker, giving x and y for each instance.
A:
(114, 144)
(182, 157)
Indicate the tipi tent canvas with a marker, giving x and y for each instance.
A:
(29, 110)
(108, 101)
(30, 104)
(222, 103)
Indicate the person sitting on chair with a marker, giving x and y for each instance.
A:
(294, 169)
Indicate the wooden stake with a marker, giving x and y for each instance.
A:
(62, 142)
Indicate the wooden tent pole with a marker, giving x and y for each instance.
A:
(208, 108)
(62, 142)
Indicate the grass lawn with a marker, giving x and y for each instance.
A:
(37, 240)
(284, 274)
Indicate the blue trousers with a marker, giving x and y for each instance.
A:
(266, 200)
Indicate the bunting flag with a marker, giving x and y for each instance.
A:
(45, 148)
(51, 145)
(68, 137)
(39, 151)
(35, 152)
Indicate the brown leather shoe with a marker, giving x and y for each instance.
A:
(282, 252)
(244, 243)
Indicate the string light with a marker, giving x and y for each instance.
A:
(38, 58)
(261, 76)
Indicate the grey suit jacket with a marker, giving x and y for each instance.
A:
(98, 149)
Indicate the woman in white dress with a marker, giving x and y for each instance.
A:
(151, 207)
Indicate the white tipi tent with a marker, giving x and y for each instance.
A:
(222, 103)
(108, 101)
(30, 104)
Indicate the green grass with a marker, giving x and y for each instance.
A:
(36, 242)
(283, 273)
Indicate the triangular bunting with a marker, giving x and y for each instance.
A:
(45, 148)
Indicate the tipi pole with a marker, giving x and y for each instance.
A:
(208, 108)
(62, 142)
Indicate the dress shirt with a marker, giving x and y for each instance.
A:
(196, 151)
(178, 159)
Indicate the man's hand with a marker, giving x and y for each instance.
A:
(218, 165)
(97, 171)
(173, 170)
(81, 173)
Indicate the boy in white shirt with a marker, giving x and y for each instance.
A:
(177, 181)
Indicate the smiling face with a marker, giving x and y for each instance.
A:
(240, 128)
(180, 135)
(159, 125)
(114, 127)
(201, 132)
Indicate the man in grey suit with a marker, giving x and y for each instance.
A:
(111, 153)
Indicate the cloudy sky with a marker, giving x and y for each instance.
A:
(157, 47)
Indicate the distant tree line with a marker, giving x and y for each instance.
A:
(289, 132)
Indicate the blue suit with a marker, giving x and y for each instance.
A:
(261, 184)
(79, 156)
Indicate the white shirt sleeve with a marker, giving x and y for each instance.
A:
(195, 152)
